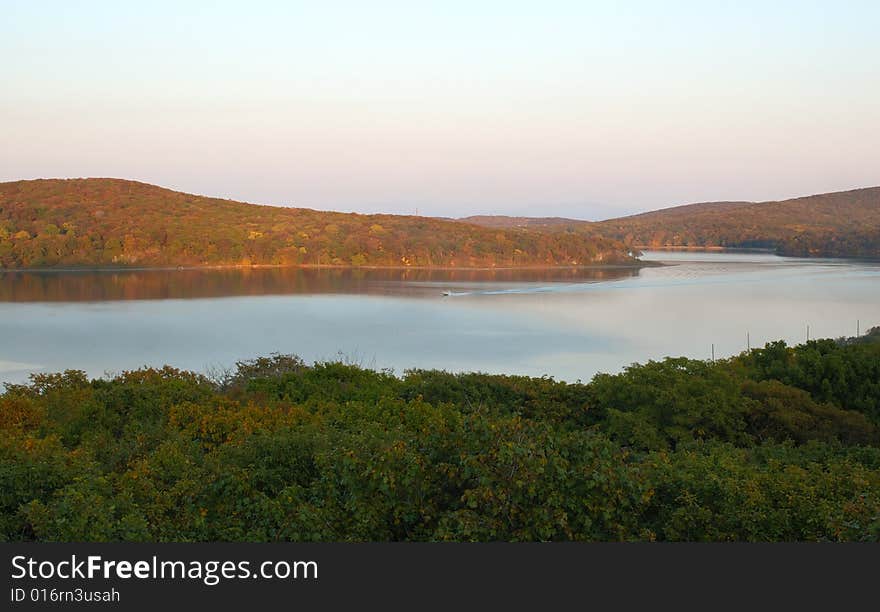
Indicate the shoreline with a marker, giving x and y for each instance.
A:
(766, 251)
(713, 249)
(172, 268)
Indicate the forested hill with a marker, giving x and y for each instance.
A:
(842, 224)
(113, 222)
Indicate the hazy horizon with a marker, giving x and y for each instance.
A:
(461, 215)
(451, 109)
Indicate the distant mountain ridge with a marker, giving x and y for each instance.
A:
(119, 223)
(839, 224)
(101, 222)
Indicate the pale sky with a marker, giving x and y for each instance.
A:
(581, 109)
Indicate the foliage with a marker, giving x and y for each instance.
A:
(843, 224)
(844, 374)
(116, 223)
(778, 444)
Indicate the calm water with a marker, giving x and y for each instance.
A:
(569, 324)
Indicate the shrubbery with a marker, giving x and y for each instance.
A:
(779, 444)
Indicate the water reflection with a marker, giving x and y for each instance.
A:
(567, 323)
(99, 286)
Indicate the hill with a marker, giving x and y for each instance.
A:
(102, 222)
(842, 224)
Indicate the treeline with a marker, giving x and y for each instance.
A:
(110, 222)
(782, 443)
(843, 224)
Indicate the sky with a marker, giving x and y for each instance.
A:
(581, 109)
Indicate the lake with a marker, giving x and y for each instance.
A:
(565, 323)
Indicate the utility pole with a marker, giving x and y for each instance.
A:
(808, 332)
(713, 353)
(858, 328)
(748, 343)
